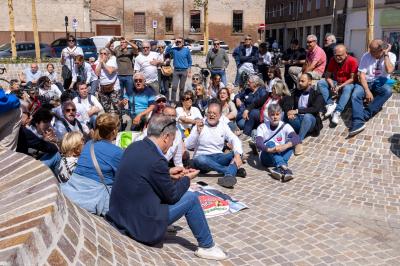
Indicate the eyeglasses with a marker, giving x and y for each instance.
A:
(161, 101)
(70, 110)
(167, 125)
(138, 80)
(187, 99)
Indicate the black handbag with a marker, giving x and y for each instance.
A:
(66, 72)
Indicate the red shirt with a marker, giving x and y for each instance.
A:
(343, 72)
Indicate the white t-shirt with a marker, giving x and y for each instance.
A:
(142, 64)
(69, 55)
(194, 113)
(106, 78)
(52, 93)
(280, 138)
(374, 68)
(267, 58)
(84, 106)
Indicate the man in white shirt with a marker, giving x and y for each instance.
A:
(87, 106)
(207, 139)
(376, 86)
(147, 62)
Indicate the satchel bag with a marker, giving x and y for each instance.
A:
(166, 70)
(66, 72)
(97, 167)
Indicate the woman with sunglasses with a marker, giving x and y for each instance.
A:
(187, 114)
(68, 55)
(201, 100)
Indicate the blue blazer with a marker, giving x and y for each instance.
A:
(142, 191)
(252, 58)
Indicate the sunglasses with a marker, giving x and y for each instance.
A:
(70, 110)
(216, 44)
(310, 41)
(187, 99)
(247, 39)
(178, 42)
(195, 78)
(138, 80)
(103, 53)
(146, 47)
(161, 101)
(71, 40)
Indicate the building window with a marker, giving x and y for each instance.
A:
(237, 21)
(301, 6)
(281, 10)
(169, 24)
(195, 20)
(291, 8)
(327, 28)
(308, 31)
(139, 22)
(327, 3)
(318, 33)
(309, 5)
(273, 11)
(317, 4)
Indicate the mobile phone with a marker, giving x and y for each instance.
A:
(385, 45)
(202, 183)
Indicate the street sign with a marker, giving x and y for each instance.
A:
(262, 26)
(74, 24)
(155, 24)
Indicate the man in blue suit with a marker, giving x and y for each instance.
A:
(147, 196)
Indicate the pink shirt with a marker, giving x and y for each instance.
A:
(319, 56)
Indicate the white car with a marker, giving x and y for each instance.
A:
(223, 45)
(101, 41)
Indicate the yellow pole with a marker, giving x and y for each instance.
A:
(206, 35)
(35, 31)
(12, 29)
(370, 21)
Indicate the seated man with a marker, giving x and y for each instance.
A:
(88, 107)
(376, 86)
(141, 104)
(83, 72)
(302, 110)
(147, 196)
(315, 61)
(69, 122)
(31, 75)
(208, 139)
(342, 70)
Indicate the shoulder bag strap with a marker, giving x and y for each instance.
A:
(279, 129)
(97, 166)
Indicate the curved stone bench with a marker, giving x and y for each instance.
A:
(342, 207)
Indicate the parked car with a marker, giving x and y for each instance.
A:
(25, 49)
(210, 44)
(87, 45)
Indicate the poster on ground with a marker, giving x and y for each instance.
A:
(214, 202)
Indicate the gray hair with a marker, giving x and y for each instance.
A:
(105, 49)
(333, 37)
(274, 108)
(161, 125)
(161, 44)
(140, 75)
(145, 42)
(312, 37)
(256, 80)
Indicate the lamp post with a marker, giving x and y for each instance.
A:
(183, 20)
(66, 26)
(370, 22)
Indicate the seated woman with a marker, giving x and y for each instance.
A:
(228, 108)
(69, 122)
(87, 105)
(52, 75)
(215, 86)
(274, 74)
(48, 93)
(255, 91)
(187, 114)
(200, 101)
(90, 184)
(276, 139)
(279, 91)
(39, 140)
(196, 80)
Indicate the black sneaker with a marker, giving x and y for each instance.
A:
(241, 172)
(287, 175)
(253, 148)
(276, 173)
(227, 181)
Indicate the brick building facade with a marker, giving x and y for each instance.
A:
(295, 19)
(229, 20)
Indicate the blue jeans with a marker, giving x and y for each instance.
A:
(303, 124)
(381, 92)
(219, 162)
(189, 206)
(92, 121)
(221, 73)
(323, 87)
(275, 159)
(236, 83)
(126, 84)
(52, 160)
(252, 123)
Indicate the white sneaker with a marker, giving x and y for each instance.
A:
(330, 108)
(335, 117)
(213, 253)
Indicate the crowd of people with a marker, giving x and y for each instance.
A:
(72, 126)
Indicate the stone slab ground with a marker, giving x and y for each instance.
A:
(343, 208)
